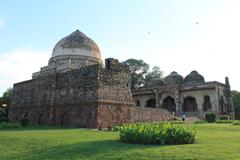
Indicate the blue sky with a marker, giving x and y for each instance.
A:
(180, 35)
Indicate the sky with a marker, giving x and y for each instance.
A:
(176, 35)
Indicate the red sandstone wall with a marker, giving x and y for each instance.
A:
(140, 114)
(113, 114)
(117, 114)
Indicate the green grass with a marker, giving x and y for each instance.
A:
(214, 141)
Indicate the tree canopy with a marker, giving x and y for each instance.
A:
(4, 104)
(236, 103)
(5, 98)
(142, 75)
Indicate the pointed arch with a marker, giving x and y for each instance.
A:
(151, 103)
(189, 104)
(207, 103)
(169, 104)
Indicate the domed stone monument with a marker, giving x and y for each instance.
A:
(75, 89)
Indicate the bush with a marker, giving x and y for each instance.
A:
(236, 123)
(116, 128)
(177, 122)
(4, 119)
(24, 122)
(210, 117)
(161, 133)
(224, 121)
(5, 125)
(224, 117)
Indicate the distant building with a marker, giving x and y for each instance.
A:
(190, 96)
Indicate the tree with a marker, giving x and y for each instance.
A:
(6, 97)
(4, 104)
(154, 77)
(236, 103)
(138, 69)
(141, 74)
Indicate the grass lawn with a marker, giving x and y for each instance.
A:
(214, 141)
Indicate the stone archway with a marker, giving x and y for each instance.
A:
(169, 104)
(151, 103)
(207, 103)
(138, 103)
(189, 104)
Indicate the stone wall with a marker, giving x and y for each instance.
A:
(68, 99)
(141, 114)
(92, 97)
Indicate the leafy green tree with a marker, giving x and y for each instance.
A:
(4, 104)
(154, 77)
(236, 103)
(142, 75)
(138, 69)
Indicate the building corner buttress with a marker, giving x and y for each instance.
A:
(228, 94)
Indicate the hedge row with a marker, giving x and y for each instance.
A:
(162, 133)
(5, 125)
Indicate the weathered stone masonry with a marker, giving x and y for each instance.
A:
(92, 97)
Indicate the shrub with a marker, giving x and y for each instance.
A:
(5, 125)
(177, 122)
(161, 133)
(116, 128)
(4, 119)
(24, 122)
(236, 123)
(210, 117)
(3, 114)
(224, 117)
(224, 121)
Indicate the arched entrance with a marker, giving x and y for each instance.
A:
(207, 103)
(137, 103)
(189, 104)
(169, 104)
(151, 103)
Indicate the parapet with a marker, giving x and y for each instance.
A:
(115, 65)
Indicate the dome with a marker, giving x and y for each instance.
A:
(77, 43)
(173, 78)
(194, 78)
(74, 51)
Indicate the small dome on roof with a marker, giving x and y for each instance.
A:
(173, 78)
(194, 78)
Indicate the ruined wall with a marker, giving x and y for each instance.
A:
(92, 97)
(68, 99)
(142, 114)
(114, 94)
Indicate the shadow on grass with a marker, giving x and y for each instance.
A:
(35, 128)
(84, 150)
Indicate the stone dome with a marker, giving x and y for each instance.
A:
(194, 78)
(73, 52)
(77, 43)
(173, 78)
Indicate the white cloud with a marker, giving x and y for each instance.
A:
(18, 65)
